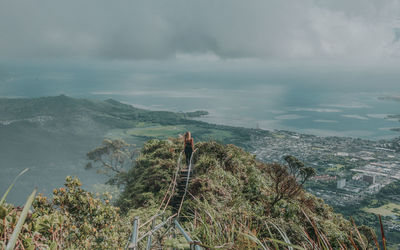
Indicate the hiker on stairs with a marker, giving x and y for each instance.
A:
(188, 144)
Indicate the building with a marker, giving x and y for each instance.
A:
(341, 183)
(324, 178)
(369, 179)
(373, 189)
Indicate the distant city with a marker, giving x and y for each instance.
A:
(350, 168)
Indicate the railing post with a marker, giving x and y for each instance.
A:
(134, 237)
(187, 237)
(149, 238)
(174, 235)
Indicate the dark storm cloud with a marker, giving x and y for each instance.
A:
(227, 29)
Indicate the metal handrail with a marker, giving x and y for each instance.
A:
(187, 181)
(155, 229)
(132, 244)
(134, 238)
(174, 181)
(193, 244)
(151, 219)
(173, 184)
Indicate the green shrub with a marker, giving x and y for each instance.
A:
(73, 219)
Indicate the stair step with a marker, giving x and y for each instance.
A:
(180, 188)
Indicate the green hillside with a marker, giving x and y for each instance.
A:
(51, 136)
(230, 206)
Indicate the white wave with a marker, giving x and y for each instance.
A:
(359, 117)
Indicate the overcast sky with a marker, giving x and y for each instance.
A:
(217, 29)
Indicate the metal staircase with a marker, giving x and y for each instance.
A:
(177, 191)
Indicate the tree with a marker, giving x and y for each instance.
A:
(288, 180)
(283, 184)
(297, 168)
(112, 158)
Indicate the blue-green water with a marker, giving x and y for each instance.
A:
(314, 100)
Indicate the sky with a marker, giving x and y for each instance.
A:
(356, 31)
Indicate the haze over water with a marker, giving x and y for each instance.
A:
(319, 100)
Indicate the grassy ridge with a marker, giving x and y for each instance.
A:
(231, 199)
(229, 206)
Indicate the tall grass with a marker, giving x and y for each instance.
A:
(223, 231)
(17, 230)
(3, 199)
(21, 220)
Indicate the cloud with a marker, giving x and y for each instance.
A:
(227, 29)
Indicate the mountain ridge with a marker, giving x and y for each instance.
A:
(229, 205)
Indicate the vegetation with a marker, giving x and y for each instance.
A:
(383, 203)
(73, 219)
(56, 132)
(231, 199)
(154, 167)
(230, 204)
(112, 158)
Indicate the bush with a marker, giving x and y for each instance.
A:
(74, 218)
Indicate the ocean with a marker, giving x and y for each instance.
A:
(313, 100)
(320, 100)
